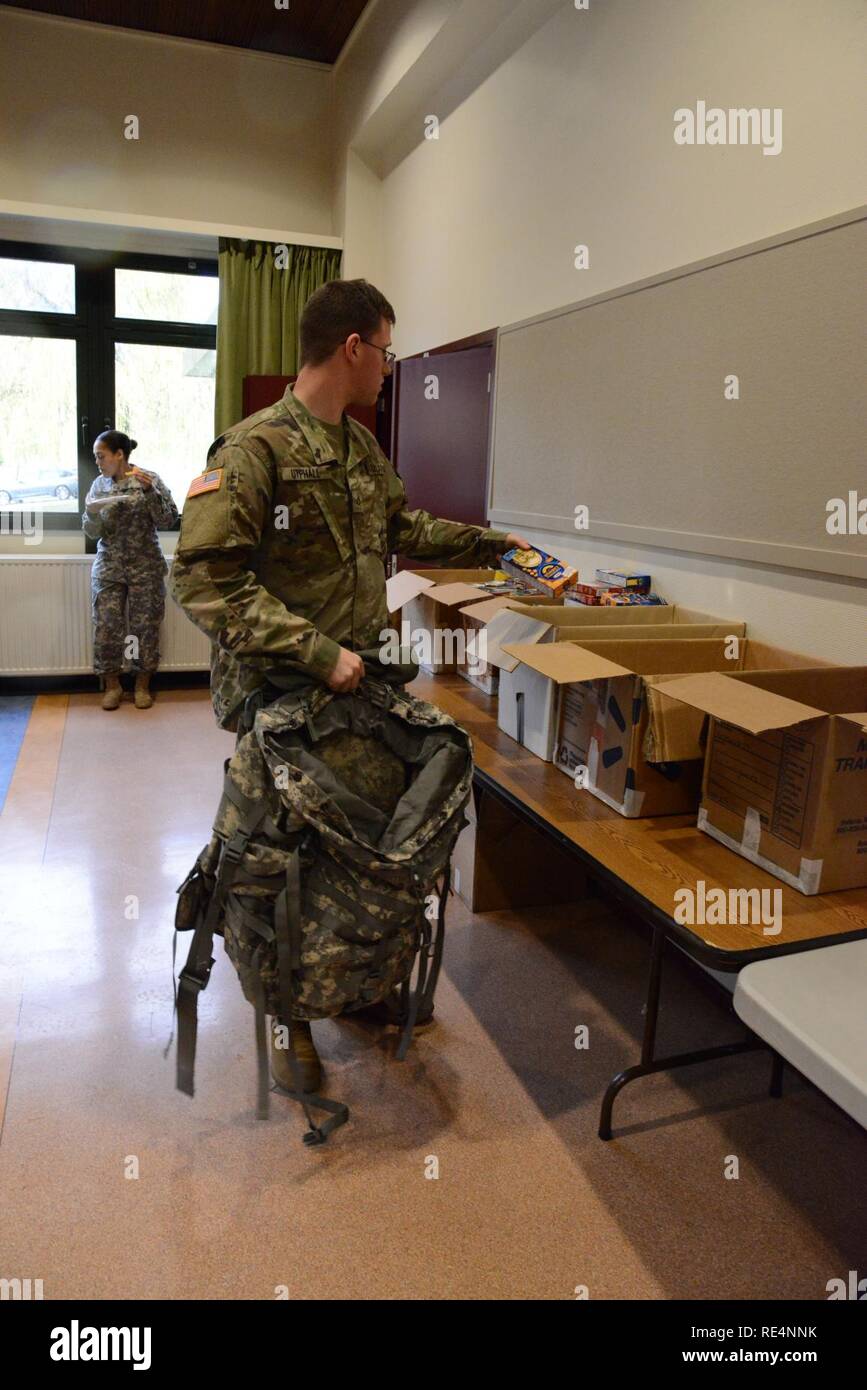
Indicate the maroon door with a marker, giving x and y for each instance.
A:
(262, 391)
(441, 438)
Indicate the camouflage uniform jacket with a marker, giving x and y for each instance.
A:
(126, 531)
(282, 552)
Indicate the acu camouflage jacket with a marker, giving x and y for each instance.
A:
(282, 552)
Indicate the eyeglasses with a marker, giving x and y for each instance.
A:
(390, 357)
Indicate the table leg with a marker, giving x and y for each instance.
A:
(648, 1064)
(651, 1013)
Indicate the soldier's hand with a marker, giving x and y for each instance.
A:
(347, 673)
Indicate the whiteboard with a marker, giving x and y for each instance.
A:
(619, 403)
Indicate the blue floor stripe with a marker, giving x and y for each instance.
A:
(14, 717)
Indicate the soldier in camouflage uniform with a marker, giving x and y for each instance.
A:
(285, 536)
(123, 510)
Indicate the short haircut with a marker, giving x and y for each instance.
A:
(336, 310)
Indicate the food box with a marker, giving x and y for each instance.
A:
(539, 569)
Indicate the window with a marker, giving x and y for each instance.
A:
(154, 294)
(38, 443)
(89, 341)
(37, 285)
(165, 401)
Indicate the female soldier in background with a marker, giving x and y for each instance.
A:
(123, 511)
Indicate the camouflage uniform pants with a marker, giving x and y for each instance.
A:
(111, 630)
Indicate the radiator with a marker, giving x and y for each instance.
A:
(45, 622)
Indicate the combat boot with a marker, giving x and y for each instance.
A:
(113, 692)
(309, 1066)
(143, 697)
(389, 1013)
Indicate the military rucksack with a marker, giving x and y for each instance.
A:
(337, 822)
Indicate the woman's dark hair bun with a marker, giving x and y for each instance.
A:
(117, 441)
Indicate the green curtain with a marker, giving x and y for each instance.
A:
(260, 312)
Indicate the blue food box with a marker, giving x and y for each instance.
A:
(539, 569)
(629, 580)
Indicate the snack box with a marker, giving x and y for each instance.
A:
(589, 591)
(621, 598)
(625, 579)
(539, 569)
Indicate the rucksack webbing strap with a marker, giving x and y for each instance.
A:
(381, 895)
(287, 933)
(439, 939)
(197, 971)
(287, 925)
(249, 919)
(359, 914)
(316, 1134)
(261, 1037)
(422, 955)
(262, 1106)
(427, 983)
(253, 813)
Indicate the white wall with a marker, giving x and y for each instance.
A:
(227, 136)
(571, 140)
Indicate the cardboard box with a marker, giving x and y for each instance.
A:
(526, 709)
(643, 756)
(477, 616)
(785, 776)
(429, 602)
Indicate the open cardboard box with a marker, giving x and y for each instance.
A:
(429, 601)
(521, 687)
(609, 713)
(785, 776)
(477, 617)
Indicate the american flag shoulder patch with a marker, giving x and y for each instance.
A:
(206, 482)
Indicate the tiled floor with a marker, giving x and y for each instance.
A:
(104, 816)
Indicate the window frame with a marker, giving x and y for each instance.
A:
(95, 329)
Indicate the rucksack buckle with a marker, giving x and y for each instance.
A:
(233, 849)
(198, 982)
(377, 693)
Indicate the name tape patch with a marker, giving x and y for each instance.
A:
(206, 482)
(300, 475)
